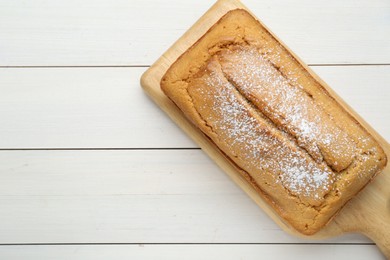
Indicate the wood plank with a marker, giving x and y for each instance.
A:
(120, 196)
(116, 252)
(106, 107)
(104, 32)
(82, 107)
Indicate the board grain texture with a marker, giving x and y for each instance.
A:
(367, 213)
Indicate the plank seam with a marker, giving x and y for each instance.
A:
(171, 244)
(147, 66)
(101, 149)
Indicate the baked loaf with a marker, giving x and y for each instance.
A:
(300, 149)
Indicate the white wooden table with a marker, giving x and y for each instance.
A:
(90, 168)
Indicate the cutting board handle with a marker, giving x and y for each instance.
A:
(371, 213)
(380, 234)
(376, 224)
(377, 218)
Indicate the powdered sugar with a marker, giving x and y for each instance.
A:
(256, 144)
(287, 104)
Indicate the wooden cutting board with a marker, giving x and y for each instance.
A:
(367, 213)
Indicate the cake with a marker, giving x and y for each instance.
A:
(275, 122)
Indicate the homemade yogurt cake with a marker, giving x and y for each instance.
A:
(300, 149)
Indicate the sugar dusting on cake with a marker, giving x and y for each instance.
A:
(257, 144)
(286, 103)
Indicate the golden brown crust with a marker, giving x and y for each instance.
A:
(290, 139)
